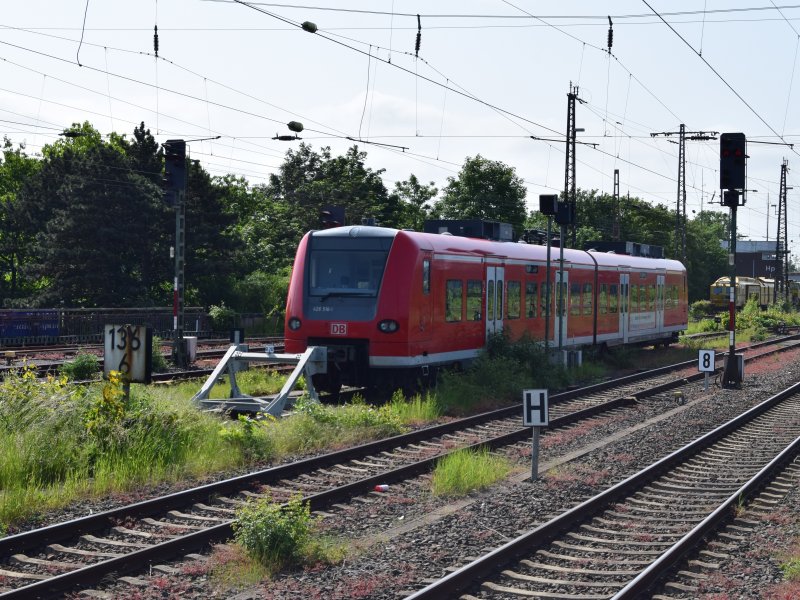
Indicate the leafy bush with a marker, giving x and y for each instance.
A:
(159, 360)
(272, 534)
(84, 366)
(700, 309)
(251, 437)
(222, 317)
(498, 375)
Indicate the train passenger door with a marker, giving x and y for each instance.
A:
(660, 303)
(561, 303)
(624, 284)
(494, 299)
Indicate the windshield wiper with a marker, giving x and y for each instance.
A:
(346, 295)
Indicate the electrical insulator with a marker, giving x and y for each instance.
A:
(155, 40)
(309, 27)
(419, 37)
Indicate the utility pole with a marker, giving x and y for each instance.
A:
(615, 232)
(175, 194)
(569, 178)
(680, 209)
(783, 215)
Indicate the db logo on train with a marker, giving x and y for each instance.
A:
(338, 328)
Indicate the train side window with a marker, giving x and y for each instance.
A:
(514, 299)
(575, 299)
(531, 299)
(634, 298)
(651, 297)
(588, 299)
(454, 301)
(474, 299)
(613, 298)
(426, 276)
(602, 299)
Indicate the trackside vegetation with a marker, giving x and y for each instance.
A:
(465, 471)
(61, 442)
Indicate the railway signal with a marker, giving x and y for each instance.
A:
(732, 168)
(732, 161)
(174, 170)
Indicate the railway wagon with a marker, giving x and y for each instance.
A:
(394, 305)
(760, 288)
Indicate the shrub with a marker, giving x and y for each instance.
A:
(251, 437)
(272, 534)
(700, 309)
(159, 360)
(222, 317)
(84, 366)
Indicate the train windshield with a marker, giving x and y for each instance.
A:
(346, 267)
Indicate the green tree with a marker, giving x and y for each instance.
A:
(414, 198)
(484, 189)
(95, 214)
(17, 235)
(291, 203)
(706, 260)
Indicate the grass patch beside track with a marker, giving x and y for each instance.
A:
(465, 471)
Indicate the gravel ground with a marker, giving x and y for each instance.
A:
(402, 538)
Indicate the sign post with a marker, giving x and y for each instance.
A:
(707, 363)
(535, 414)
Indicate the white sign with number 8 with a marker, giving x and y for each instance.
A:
(707, 361)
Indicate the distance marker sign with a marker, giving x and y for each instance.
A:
(129, 350)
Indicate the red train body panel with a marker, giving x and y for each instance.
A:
(388, 302)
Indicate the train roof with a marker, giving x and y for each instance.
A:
(444, 243)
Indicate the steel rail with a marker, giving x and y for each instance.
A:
(460, 580)
(61, 531)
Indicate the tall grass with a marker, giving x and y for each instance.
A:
(464, 471)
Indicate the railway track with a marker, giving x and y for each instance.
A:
(622, 542)
(44, 368)
(81, 552)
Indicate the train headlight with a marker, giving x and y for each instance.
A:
(388, 326)
(294, 323)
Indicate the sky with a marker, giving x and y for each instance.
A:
(490, 78)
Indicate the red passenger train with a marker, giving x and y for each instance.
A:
(392, 305)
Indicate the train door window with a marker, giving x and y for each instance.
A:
(588, 299)
(500, 302)
(474, 299)
(454, 301)
(575, 299)
(613, 298)
(426, 276)
(602, 299)
(642, 298)
(545, 292)
(514, 299)
(531, 299)
(490, 300)
(634, 298)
